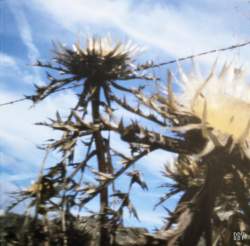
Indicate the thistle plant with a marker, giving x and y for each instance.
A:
(217, 110)
(230, 212)
(208, 127)
(93, 72)
(205, 122)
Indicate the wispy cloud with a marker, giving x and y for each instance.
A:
(6, 60)
(25, 29)
(25, 34)
(12, 69)
(17, 130)
(178, 30)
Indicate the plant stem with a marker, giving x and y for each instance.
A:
(204, 204)
(46, 230)
(102, 167)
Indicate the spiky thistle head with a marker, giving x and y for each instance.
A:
(98, 63)
(220, 102)
(100, 59)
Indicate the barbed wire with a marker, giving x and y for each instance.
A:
(235, 46)
(12, 102)
(28, 97)
(202, 54)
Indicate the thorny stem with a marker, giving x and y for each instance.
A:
(102, 167)
(122, 170)
(64, 210)
(38, 194)
(46, 230)
(64, 227)
(204, 204)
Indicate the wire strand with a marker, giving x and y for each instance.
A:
(12, 102)
(235, 46)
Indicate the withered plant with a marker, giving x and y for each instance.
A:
(205, 121)
(208, 127)
(99, 74)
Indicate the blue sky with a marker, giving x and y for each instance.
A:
(168, 29)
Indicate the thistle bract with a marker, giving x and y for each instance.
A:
(101, 59)
(220, 102)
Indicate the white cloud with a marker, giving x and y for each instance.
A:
(26, 35)
(8, 67)
(182, 30)
(6, 60)
(12, 68)
(25, 29)
(17, 130)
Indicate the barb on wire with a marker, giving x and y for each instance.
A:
(14, 101)
(235, 46)
(28, 97)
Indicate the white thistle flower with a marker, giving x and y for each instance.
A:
(106, 47)
(101, 58)
(221, 102)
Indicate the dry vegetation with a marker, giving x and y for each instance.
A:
(212, 176)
